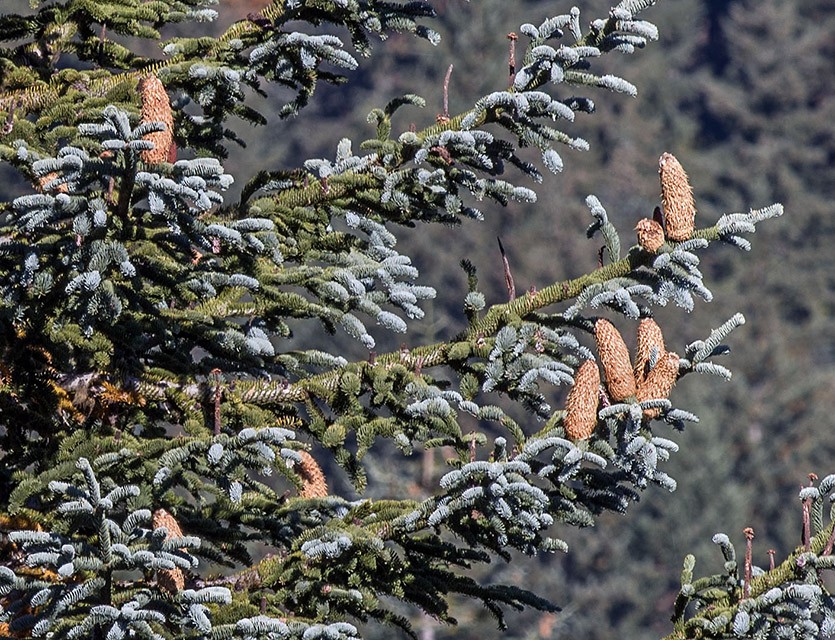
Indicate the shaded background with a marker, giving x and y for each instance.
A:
(743, 93)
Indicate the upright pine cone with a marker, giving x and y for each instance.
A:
(650, 235)
(314, 484)
(659, 382)
(614, 357)
(171, 580)
(156, 108)
(650, 339)
(676, 198)
(581, 404)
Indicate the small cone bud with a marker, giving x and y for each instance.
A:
(156, 108)
(614, 357)
(314, 484)
(676, 198)
(170, 580)
(650, 339)
(659, 382)
(650, 235)
(581, 404)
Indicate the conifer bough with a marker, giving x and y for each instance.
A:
(154, 416)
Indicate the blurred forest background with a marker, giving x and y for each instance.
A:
(743, 93)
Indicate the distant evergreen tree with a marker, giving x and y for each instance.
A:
(163, 439)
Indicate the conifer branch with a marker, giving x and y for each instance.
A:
(428, 356)
(148, 399)
(760, 603)
(248, 32)
(793, 568)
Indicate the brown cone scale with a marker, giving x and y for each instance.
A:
(49, 177)
(581, 404)
(659, 382)
(170, 580)
(676, 198)
(314, 484)
(650, 339)
(156, 108)
(614, 358)
(650, 235)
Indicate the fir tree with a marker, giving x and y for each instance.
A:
(164, 440)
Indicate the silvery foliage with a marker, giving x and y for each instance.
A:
(84, 566)
(93, 267)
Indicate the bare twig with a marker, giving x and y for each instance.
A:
(217, 397)
(511, 57)
(445, 114)
(508, 277)
(749, 554)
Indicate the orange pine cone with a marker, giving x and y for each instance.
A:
(314, 484)
(581, 404)
(659, 382)
(162, 518)
(170, 580)
(614, 358)
(650, 339)
(650, 235)
(676, 198)
(156, 108)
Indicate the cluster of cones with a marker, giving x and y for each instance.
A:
(651, 377)
(655, 370)
(679, 217)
